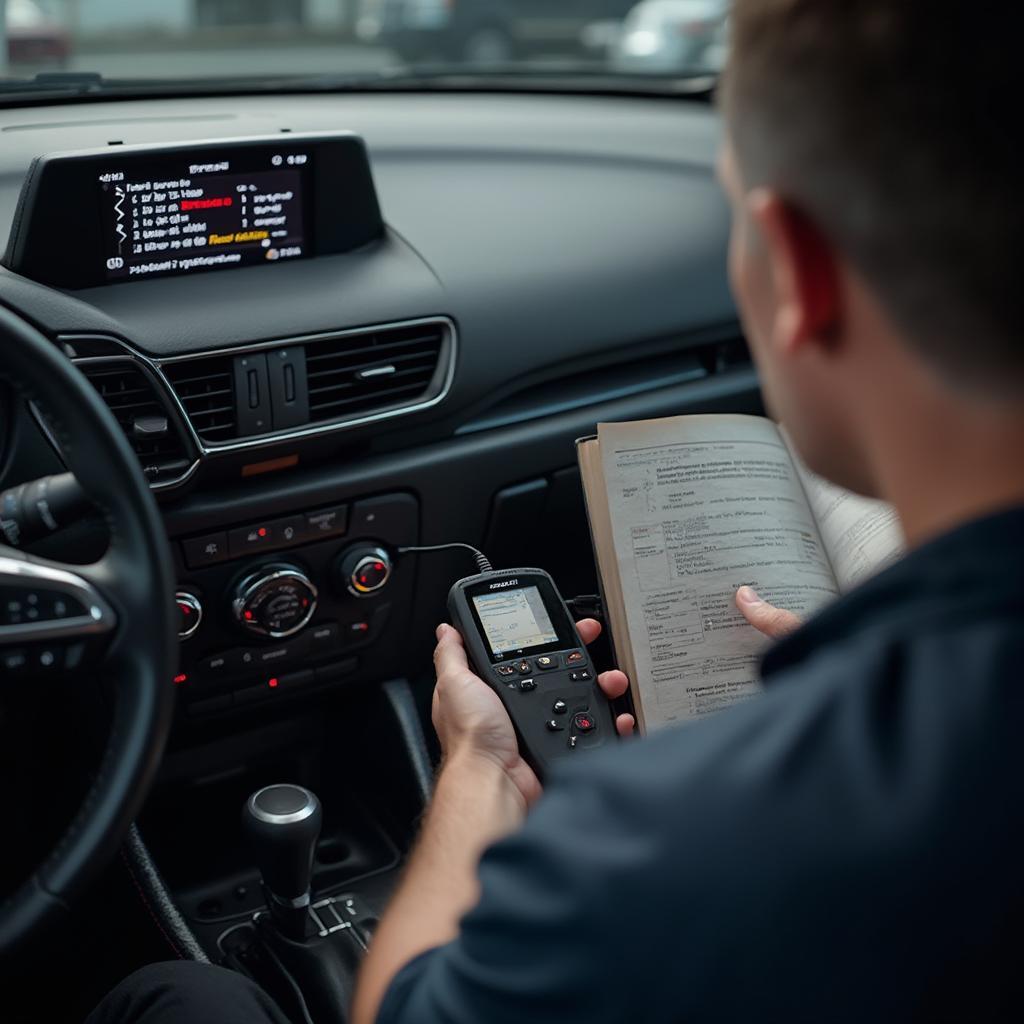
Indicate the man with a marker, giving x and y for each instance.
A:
(847, 846)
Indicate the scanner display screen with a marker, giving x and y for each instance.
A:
(514, 620)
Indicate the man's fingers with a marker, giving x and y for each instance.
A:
(449, 654)
(589, 630)
(772, 621)
(613, 683)
(624, 724)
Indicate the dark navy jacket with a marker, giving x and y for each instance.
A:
(847, 847)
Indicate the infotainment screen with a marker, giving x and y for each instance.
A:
(135, 212)
(179, 215)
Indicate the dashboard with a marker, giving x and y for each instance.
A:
(483, 280)
(403, 310)
(465, 284)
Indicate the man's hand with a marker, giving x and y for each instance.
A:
(772, 621)
(472, 722)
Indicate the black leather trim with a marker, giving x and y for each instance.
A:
(136, 578)
(157, 899)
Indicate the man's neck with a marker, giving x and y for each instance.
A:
(951, 462)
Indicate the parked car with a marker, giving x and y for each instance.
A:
(33, 37)
(672, 36)
(483, 32)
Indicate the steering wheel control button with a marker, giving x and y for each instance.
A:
(206, 550)
(14, 662)
(18, 606)
(554, 725)
(276, 601)
(574, 658)
(364, 571)
(559, 707)
(584, 721)
(545, 662)
(47, 659)
(579, 676)
(191, 613)
(526, 685)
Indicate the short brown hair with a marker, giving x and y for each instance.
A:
(890, 123)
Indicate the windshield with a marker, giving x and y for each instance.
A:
(180, 40)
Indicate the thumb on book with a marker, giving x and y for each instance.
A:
(765, 617)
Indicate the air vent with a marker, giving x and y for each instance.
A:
(356, 374)
(142, 415)
(205, 387)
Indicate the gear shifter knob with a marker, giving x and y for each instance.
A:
(283, 823)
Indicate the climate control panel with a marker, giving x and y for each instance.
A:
(320, 610)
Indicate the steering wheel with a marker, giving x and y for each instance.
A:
(116, 615)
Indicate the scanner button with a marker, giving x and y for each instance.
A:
(555, 726)
(577, 677)
(546, 662)
(524, 668)
(574, 658)
(559, 707)
(506, 670)
(584, 721)
(527, 684)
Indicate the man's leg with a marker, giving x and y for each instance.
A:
(184, 992)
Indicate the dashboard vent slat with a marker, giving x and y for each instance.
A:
(206, 390)
(340, 386)
(131, 396)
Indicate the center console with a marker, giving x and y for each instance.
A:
(285, 607)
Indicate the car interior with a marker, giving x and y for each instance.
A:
(218, 439)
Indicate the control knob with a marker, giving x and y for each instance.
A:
(275, 601)
(364, 570)
(191, 613)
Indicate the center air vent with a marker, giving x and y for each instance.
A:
(205, 388)
(313, 385)
(356, 374)
(147, 423)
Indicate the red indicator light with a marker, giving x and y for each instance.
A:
(272, 683)
(379, 566)
(247, 615)
(360, 627)
(362, 579)
(305, 602)
(181, 677)
(262, 531)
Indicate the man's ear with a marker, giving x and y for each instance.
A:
(804, 273)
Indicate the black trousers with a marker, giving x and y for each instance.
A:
(184, 992)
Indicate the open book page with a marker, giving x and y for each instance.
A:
(595, 493)
(861, 536)
(698, 506)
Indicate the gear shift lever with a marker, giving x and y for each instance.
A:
(283, 823)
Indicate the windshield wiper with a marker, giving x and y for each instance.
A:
(569, 78)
